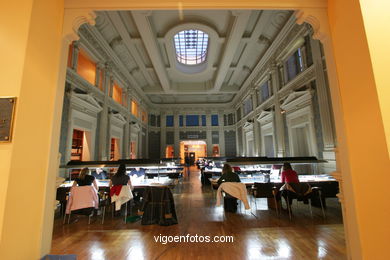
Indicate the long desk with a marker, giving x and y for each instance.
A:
(328, 185)
(140, 183)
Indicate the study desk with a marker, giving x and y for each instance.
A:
(328, 185)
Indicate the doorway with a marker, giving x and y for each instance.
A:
(190, 151)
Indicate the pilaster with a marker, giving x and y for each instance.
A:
(279, 126)
(256, 126)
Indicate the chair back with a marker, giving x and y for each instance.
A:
(82, 197)
(300, 189)
(264, 190)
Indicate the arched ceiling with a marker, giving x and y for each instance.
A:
(141, 42)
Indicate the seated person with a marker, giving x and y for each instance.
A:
(120, 177)
(230, 203)
(288, 174)
(85, 179)
(99, 174)
(228, 175)
(137, 172)
(210, 164)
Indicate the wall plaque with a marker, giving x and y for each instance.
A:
(7, 110)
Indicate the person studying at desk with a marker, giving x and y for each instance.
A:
(85, 179)
(288, 174)
(99, 174)
(137, 172)
(228, 175)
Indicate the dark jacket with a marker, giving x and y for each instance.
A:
(229, 177)
(158, 207)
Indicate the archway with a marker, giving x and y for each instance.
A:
(351, 80)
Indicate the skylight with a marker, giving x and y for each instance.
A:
(191, 46)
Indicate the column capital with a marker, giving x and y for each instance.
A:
(318, 19)
(73, 19)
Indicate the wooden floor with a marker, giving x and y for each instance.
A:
(265, 236)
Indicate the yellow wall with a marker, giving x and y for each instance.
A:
(14, 25)
(366, 152)
(376, 19)
(29, 164)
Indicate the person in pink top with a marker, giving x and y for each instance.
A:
(288, 174)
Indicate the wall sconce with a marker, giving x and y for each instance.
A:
(282, 111)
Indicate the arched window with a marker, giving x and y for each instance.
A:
(191, 46)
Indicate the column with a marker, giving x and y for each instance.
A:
(75, 55)
(163, 135)
(323, 102)
(256, 126)
(209, 140)
(243, 140)
(104, 121)
(127, 140)
(278, 120)
(69, 137)
(237, 143)
(176, 138)
(221, 135)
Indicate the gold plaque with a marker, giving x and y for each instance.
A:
(7, 110)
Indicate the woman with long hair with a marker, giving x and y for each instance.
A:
(85, 179)
(288, 174)
(120, 177)
(228, 175)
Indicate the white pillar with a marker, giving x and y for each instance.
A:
(278, 123)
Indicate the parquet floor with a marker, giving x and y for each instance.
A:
(265, 236)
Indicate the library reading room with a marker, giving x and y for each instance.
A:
(194, 129)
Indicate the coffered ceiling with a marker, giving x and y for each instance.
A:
(140, 44)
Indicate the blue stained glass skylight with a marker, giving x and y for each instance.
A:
(191, 46)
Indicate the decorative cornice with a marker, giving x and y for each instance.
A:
(296, 99)
(85, 103)
(117, 119)
(265, 117)
(301, 79)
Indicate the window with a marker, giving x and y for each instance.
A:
(117, 93)
(191, 46)
(214, 120)
(152, 120)
(86, 68)
(248, 106)
(158, 120)
(230, 119)
(134, 108)
(239, 114)
(294, 64)
(180, 120)
(192, 120)
(169, 121)
(203, 120)
(265, 91)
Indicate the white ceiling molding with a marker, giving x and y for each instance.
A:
(148, 37)
(265, 117)
(262, 23)
(256, 72)
(236, 32)
(116, 21)
(295, 100)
